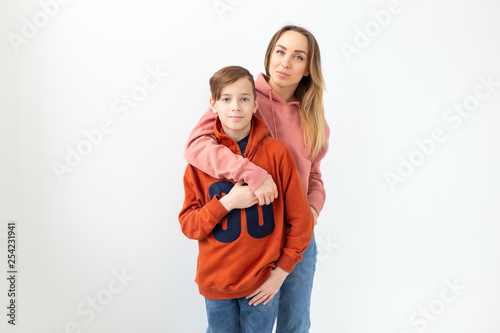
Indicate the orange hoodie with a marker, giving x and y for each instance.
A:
(238, 249)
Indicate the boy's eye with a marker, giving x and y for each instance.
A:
(245, 99)
(226, 99)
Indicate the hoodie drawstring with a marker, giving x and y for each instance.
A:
(274, 113)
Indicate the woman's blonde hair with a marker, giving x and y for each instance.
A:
(309, 91)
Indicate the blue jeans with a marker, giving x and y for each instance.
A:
(295, 298)
(236, 316)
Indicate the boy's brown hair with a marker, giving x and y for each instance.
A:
(228, 75)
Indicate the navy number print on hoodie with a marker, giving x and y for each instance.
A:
(233, 229)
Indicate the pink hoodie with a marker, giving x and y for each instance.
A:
(285, 124)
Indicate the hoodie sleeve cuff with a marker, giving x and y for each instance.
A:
(286, 263)
(216, 209)
(316, 202)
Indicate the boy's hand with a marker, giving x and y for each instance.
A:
(239, 197)
(270, 288)
(267, 191)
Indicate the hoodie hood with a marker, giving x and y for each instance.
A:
(273, 102)
(262, 86)
(258, 131)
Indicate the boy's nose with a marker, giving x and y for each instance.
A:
(236, 106)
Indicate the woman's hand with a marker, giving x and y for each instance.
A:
(315, 214)
(267, 191)
(270, 288)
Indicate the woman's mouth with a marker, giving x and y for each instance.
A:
(282, 74)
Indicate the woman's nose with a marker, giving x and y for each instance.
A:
(285, 62)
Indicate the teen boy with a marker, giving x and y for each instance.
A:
(245, 250)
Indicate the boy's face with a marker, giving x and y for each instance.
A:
(235, 108)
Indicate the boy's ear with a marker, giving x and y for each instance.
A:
(255, 104)
(212, 106)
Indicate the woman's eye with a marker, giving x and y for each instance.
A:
(299, 57)
(280, 52)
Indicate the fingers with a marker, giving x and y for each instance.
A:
(269, 298)
(260, 199)
(257, 299)
(263, 294)
(273, 189)
(271, 194)
(266, 198)
(315, 214)
(263, 298)
(267, 191)
(252, 294)
(271, 198)
(256, 296)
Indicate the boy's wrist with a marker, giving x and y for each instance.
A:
(226, 202)
(281, 272)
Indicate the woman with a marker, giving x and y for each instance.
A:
(291, 104)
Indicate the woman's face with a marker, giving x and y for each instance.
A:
(288, 63)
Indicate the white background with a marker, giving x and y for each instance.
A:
(384, 255)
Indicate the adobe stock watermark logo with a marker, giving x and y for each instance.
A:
(30, 27)
(221, 7)
(93, 305)
(454, 117)
(121, 106)
(420, 319)
(363, 37)
(326, 247)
